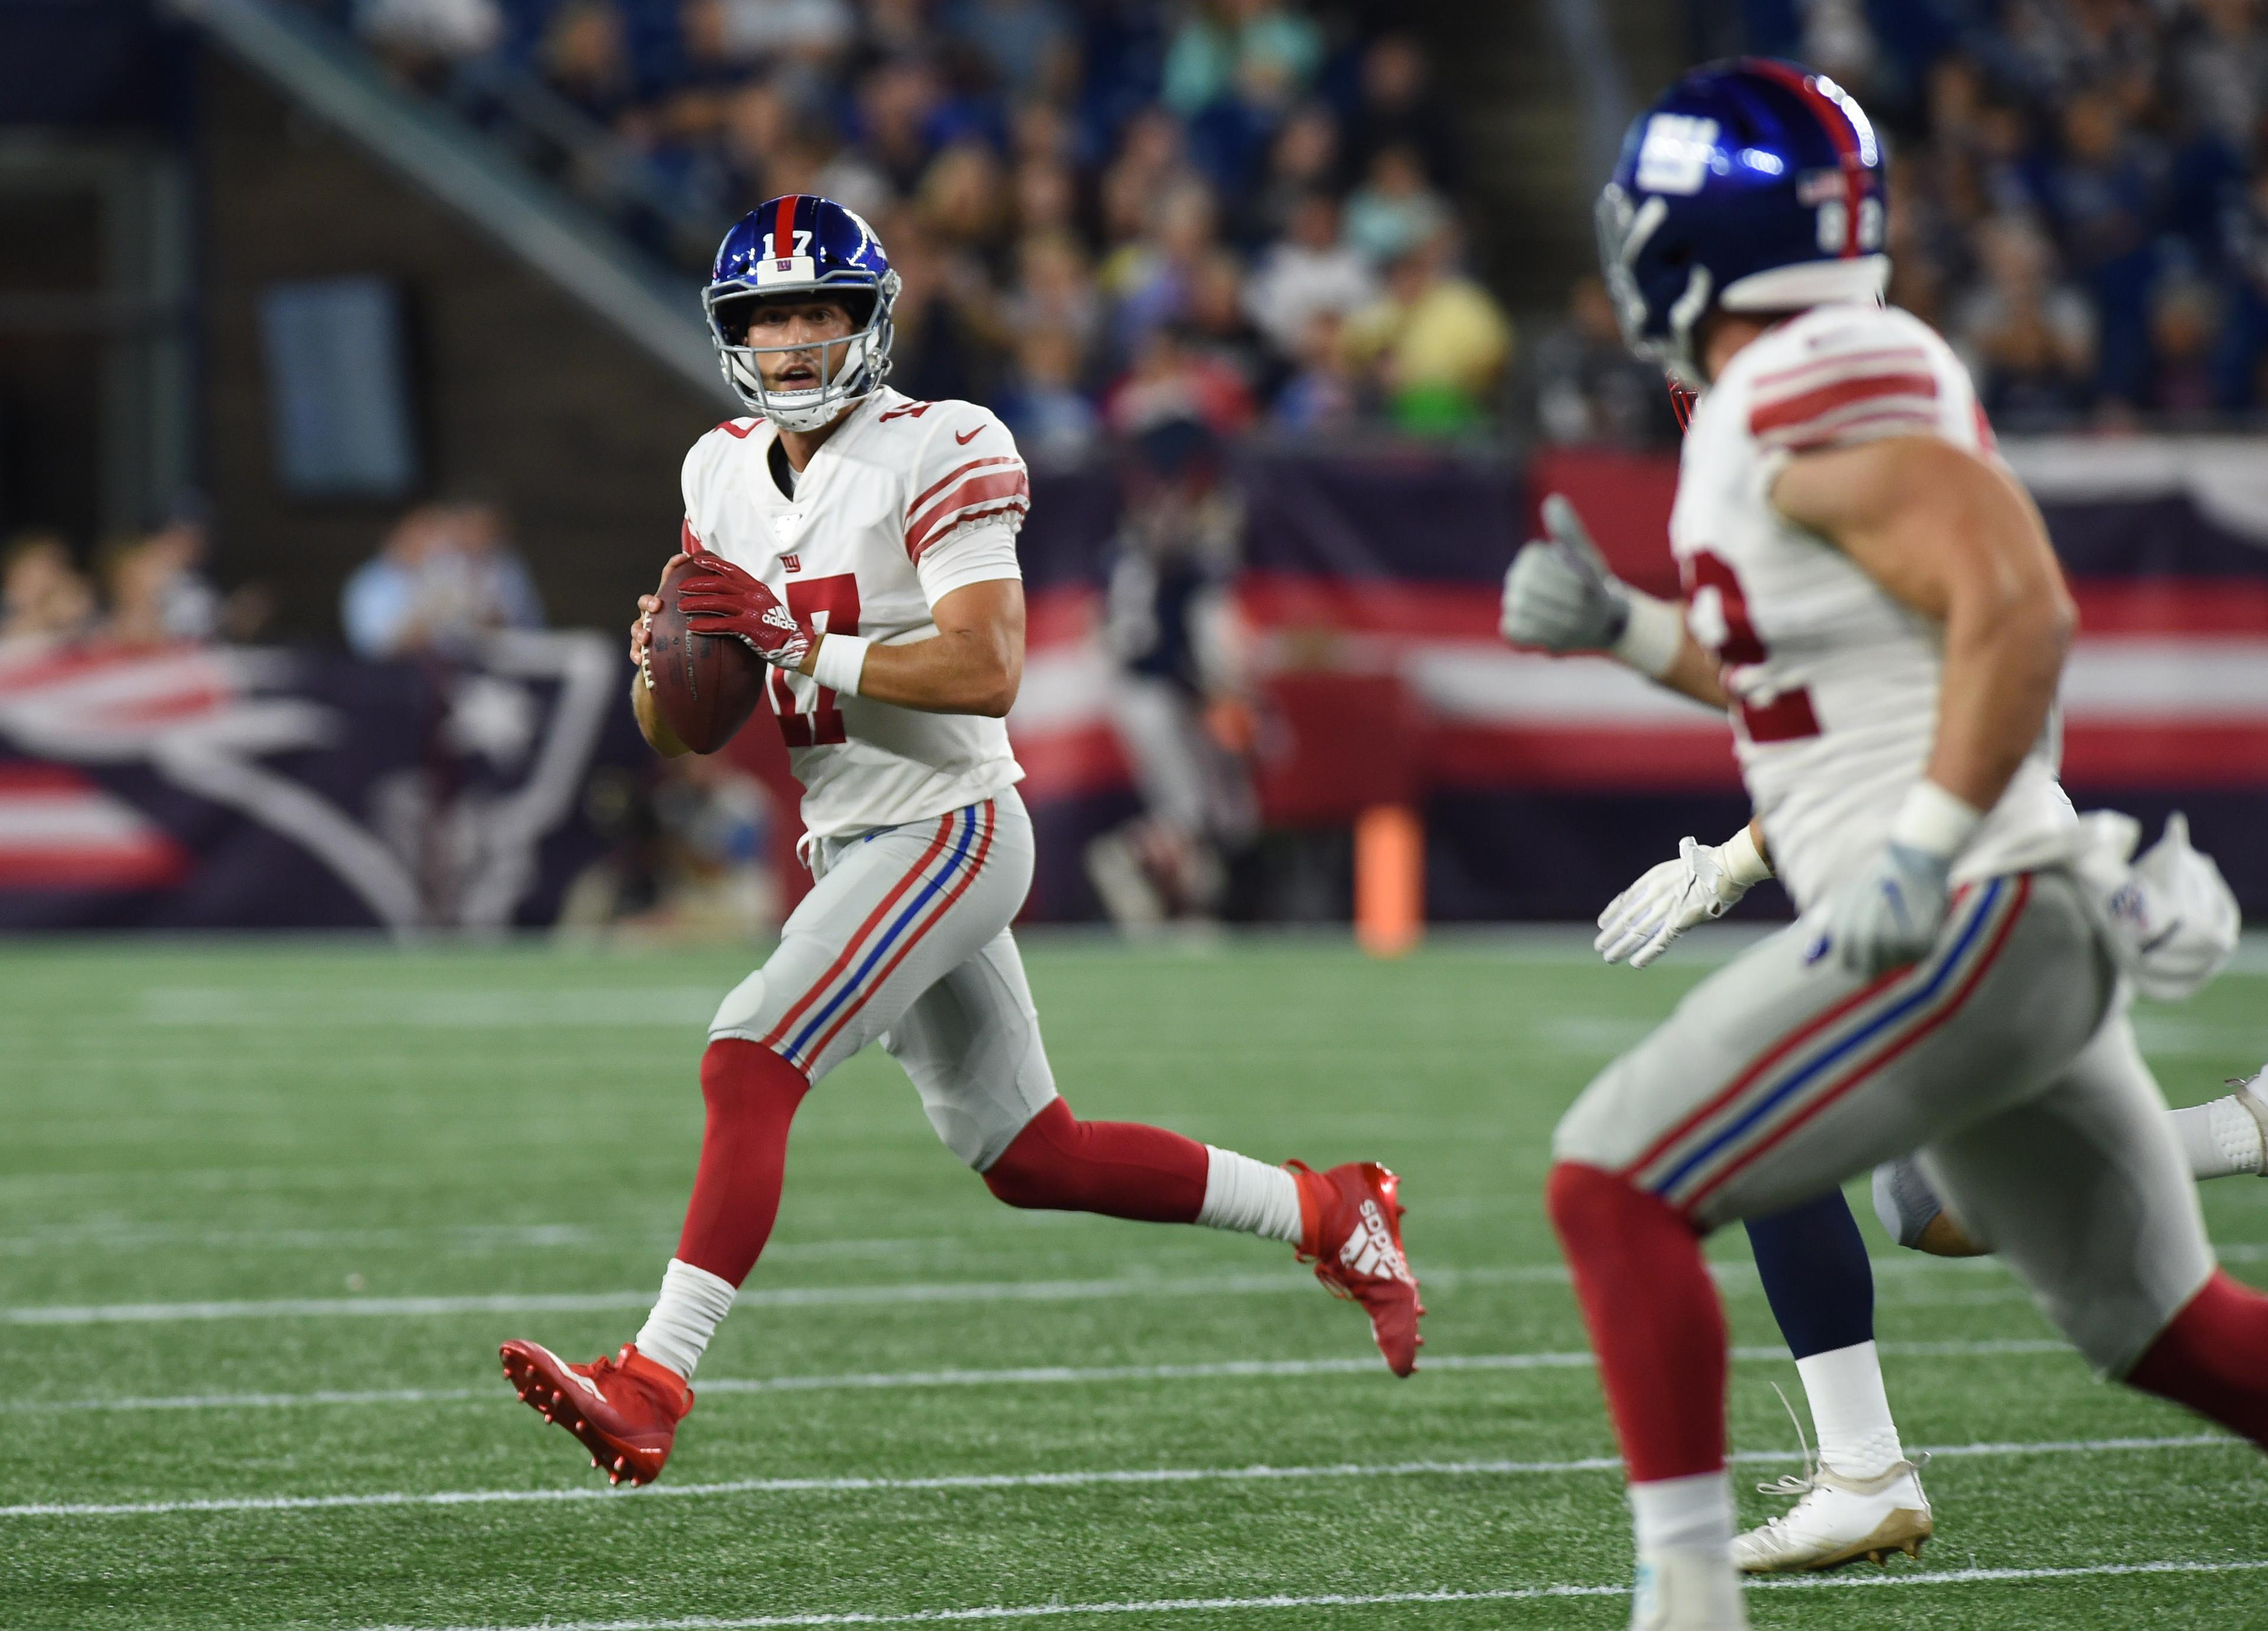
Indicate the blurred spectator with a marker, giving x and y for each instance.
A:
(2221, 72)
(423, 39)
(446, 576)
(1309, 273)
(1222, 44)
(1436, 343)
(43, 596)
(1053, 291)
(1150, 280)
(1394, 210)
(1217, 322)
(1589, 388)
(1323, 397)
(1178, 695)
(1400, 108)
(1026, 43)
(749, 31)
(1173, 380)
(687, 842)
(1042, 403)
(1303, 161)
(2184, 330)
(587, 58)
(2029, 339)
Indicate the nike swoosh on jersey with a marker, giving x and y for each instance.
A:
(972, 436)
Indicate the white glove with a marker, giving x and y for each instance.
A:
(1560, 594)
(2169, 919)
(1702, 884)
(1889, 914)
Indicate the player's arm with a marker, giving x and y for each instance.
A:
(1957, 541)
(1561, 597)
(973, 664)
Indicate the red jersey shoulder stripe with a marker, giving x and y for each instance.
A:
(953, 475)
(1789, 413)
(1791, 377)
(999, 492)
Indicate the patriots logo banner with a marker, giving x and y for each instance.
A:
(199, 787)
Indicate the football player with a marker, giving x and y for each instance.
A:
(1864, 1498)
(864, 545)
(1878, 599)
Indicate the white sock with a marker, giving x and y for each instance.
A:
(1691, 1514)
(1849, 1412)
(2221, 1138)
(685, 1316)
(1242, 1194)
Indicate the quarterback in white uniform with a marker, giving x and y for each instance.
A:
(864, 545)
(1874, 598)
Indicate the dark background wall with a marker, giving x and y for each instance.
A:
(522, 393)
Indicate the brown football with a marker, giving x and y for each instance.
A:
(705, 685)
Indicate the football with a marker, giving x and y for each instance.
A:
(705, 685)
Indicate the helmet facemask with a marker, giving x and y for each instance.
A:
(850, 366)
(1625, 229)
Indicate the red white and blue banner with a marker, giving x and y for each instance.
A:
(189, 787)
(198, 787)
(1547, 784)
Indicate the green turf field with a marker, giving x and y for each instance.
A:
(266, 1211)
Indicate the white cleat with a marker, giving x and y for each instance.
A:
(1837, 1520)
(1687, 1591)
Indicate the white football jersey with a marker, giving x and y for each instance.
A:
(906, 502)
(1834, 683)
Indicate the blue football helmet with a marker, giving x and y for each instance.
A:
(1752, 186)
(801, 245)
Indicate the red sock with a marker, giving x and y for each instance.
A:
(1119, 1169)
(752, 1094)
(2214, 1358)
(1655, 1322)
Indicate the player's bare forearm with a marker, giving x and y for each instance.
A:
(973, 664)
(1693, 672)
(1956, 539)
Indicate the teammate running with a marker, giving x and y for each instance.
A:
(863, 544)
(1864, 1498)
(1890, 624)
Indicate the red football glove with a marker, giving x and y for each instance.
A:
(718, 597)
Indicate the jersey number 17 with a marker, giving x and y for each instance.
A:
(832, 605)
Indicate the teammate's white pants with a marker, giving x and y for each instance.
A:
(2005, 1058)
(904, 937)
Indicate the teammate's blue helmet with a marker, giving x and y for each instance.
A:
(1753, 185)
(801, 245)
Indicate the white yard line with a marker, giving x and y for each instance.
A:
(1025, 1375)
(792, 1296)
(1381, 1599)
(1099, 1477)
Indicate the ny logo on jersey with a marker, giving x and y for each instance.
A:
(788, 562)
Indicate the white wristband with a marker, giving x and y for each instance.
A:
(1935, 822)
(840, 660)
(1652, 637)
(1744, 863)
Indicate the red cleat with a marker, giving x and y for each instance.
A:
(1350, 1228)
(624, 1408)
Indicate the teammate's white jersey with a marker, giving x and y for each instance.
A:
(1834, 683)
(906, 502)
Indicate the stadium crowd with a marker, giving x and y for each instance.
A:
(1248, 207)
(1104, 214)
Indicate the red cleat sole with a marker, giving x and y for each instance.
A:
(530, 1370)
